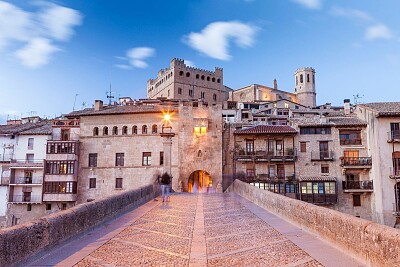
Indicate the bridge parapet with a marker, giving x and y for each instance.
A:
(19, 242)
(372, 243)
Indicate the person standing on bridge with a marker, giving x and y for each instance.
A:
(165, 181)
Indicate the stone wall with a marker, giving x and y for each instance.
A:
(22, 241)
(372, 243)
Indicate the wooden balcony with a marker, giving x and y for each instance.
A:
(289, 154)
(393, 136)
(22, 199)
(322, 156)
(356, 162)
(321, 199)
(358, 186)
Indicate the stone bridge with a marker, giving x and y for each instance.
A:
(243, 227)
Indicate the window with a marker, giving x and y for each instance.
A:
(161, 157)
(187, 74)
(60, 187)
(297, 81)
(144, 129)
(324, 150)
(119, 159)
(30, 158)
(324, 168)
(330, 188)
(60, 167)
(30, 143)
(395, 130)
(350, 137)
(64, 206)
(301, 78)
(208, 78)
(249, 146)
(92, 160)
(356, 200)
(181, 73)
(202, 95)
(191, 92)
(95, 131)
(134, 129)
(154, 129)
(168, 92)
(118, 183)
(125, 130)
(303, 146)
(315, 130)
(115, 130)
(396, 163)
(146, 159)
(48, 206)
(202, 77)
(29, 207)
(215, 97)
(92, 182)
(197, 76)
(250, 173)
(213, 80)
(105, 130)
(179, 91)
(218, 80)
(308, 78)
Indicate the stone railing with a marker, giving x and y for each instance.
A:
(372, 243)
(19, 242)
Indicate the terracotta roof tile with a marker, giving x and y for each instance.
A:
(384, 109)
(317, 178)
(267, 129)
(110, 110)
(348, 121)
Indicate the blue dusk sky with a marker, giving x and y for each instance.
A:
(53, 52)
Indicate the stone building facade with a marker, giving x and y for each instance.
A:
(180, 81)
(126, 147)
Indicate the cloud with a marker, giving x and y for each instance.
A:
(351, 13)
(190, 63)
(311, 4)
(378, 31)
(136, 57)
(36, 53)
(58, 21)
(214, 39)
(36, 31)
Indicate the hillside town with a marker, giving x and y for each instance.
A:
(206, 135)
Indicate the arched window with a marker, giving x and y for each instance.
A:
(144, 129)
(301, 78)
(215, 97)
(154, 129)
(308, 77)
(213, 80)
(396, 163)
(297, 81)
(115, 130)
(313, 78)
(197, 76)
(125, 130)
(218, 80)
(95, 131)
(105, 130)
(208, 78)
(202, 77)
(181, 73)
(187, 74)
(134, 129)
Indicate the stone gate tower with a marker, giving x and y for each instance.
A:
(305, 86)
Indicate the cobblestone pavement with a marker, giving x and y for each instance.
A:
(168, 235)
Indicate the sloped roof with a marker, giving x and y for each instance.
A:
(18, 128)
(112, 110)
(348, 121)
(43, 129)
(267, 129)
(384, 109)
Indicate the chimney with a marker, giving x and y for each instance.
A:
(275, 84)
(98, 105)
(346, 106)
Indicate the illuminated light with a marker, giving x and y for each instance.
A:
(167, 117)
(197, 129)
(203, 129)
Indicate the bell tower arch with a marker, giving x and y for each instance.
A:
(305, 87)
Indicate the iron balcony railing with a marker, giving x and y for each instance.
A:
(289, 153)
(26, 198)
(345, 142)
(394, 136)
(394, 172)
(322, 155)
(27, 180)
(358, 185)
(357, 161)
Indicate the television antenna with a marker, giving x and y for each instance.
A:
(73, 108)
(110, 95)
(356, 98)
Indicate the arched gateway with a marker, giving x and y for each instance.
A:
(199, 182)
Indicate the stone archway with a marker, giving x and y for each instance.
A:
(199, 182)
